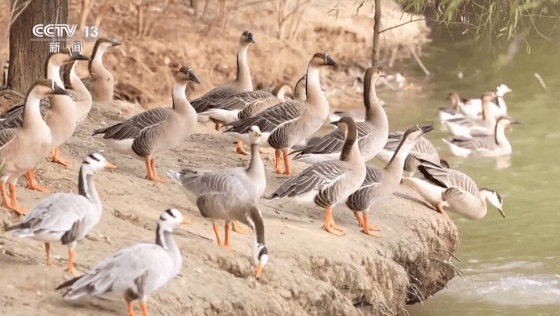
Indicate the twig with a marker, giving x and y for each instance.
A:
(394, 27)
(449, 252)
(541, 81)
(428, 73)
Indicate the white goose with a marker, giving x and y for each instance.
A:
(468, 126)
(473, 107)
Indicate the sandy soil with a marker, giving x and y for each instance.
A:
(310, 272)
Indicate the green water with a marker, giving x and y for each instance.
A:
(511, 266)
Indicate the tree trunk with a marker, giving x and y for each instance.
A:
(27, 56)
(376, 30)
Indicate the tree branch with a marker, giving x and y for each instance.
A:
(394, 27)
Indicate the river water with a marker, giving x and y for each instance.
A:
(511, 266)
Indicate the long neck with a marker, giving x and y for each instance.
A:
(243, 74)
(256, 166)
(501, 103)
(31, 111)
(314, 94)
(487, 115)
(95, 65)
(76, 82)
(351, 149)
(86, 186)
(375, 114)
(396, 165)
(180, 102)
(256, 221)
(53, 73)
(500, 136)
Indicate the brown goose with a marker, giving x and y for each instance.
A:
(100, 81)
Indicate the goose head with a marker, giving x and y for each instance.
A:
(78, 56)
(260, 254)
(186, 74)
(170, 219)
(59, 59)
(502, 89)
(95, 162)
(46, 87)
(255, 135)
(414, 133)
(494, 198)
(454, 98)
(322, 59)
(506, 121)
(246, 38)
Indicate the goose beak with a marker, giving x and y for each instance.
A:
(59, 91)
(502, 212)
(514, 121)
(193, 77)
(115, 43)
(426, 128)
(79, 57)
(330, 62)
(259, 271)
(185, 221)
(110, 166)
(251, 38)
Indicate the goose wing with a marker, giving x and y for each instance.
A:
(242, 100)
(136, 125)
(334, 141)
(359, 200)
(13, 117)
(271, 118)
(475, 143)
(207, 100)
(6, 135)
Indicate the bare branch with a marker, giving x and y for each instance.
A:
(394, 27)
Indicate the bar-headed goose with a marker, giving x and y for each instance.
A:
(83, 99)
(473, 107)
(230, 195)
(157, 130)
(372, 133)
(66, 217)
(100, 81)
(454, 191)
(330, 182)
(23, 148)
(380, 183)
(289, 123)
(495, 145)
(454, 111)
(242, 82)
(468, 127)
(136, 271)
(422, 149)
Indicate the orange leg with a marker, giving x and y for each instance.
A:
(5, 198)
(217, 232)
(71, 261)
(55, 156)
(130, 309)
(373, 230)
(239, 148)
(48, 253)
(32, 182)
(144, 308)
(277, 157)
(359, 218)
(329, 225)
(226, 232)
(287, 168)
(152, 175)
(13, 200)
(441, 210)
(237, 228)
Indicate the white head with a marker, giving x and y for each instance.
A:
(95, 162)
(171, 218)
(255, 135)
(502, 89)
(494, 198)
(260, 255)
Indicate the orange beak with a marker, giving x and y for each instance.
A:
(110, 166)
(259, 270)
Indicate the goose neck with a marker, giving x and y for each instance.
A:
(396, 165)
(314, 94)
(32, 111)
(351, 148)
(180, 102)
(86, 186)
(500, 135)
(53, 73)
(256, 166)
(375, 114)
(243, 78)
(165, 239)
(256, 222)
(95, 65)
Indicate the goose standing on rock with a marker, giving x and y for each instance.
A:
(454, 191)
(486, 146)
(157, 130)
(468, 127)
(66, 217)
(23, 148)
(292, 122)
(372, 133)
(327, 183)
(230, 195)
(136, 271)
(380, 183)
(100, 81)
(242, 82)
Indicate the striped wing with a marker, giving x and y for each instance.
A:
(359, 200)
(6, 135)
(271, 118)
(138, 125)
(447, 178)
(13, 117)
(205, 102)
(334, 141)
(242, 100)
(475, 143)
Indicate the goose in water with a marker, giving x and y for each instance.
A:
(155, 131)
(23, 148)
(495, 145)
(100, 81)
(292, 122)
(468, 127)
(242, 82)
(453, 191)
(372, 133)
(380, 183)
(66, 217)
(136, 271)
(422, 149)
(230, 195)
(330, 182)
(473, 107)
(454, 111)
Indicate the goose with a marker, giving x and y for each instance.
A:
(454, 191)
(100, 81)
(495, 145)
(242, 82)
(455, 110)
(230, 195)
(422, 149)
(372, 133)
(23, 148)
(289, 123)
(66, 217)
(468, 127)
(155, 131)
(380, 183)
(473, 107)
(83, 99)
(327, 183)
(135, 271)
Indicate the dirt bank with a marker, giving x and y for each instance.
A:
(310, 271)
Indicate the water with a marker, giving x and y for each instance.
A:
(511, 266)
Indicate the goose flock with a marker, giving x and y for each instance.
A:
(285, 119)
